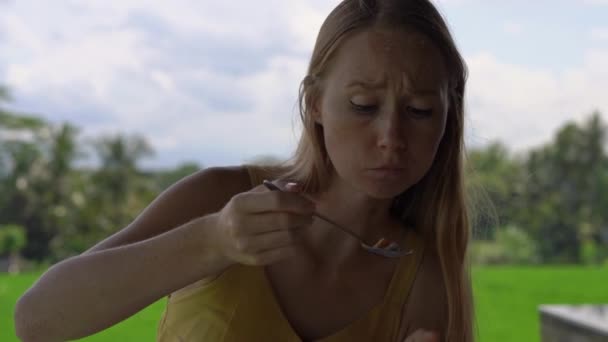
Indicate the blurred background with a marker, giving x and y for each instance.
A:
(104, 104)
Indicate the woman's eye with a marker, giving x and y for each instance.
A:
(420, 111)
(367, 109)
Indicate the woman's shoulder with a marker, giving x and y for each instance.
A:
(229, 179)
(210, 188)
(258, 172)
(223, 176)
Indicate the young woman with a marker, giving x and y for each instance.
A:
(381, 155)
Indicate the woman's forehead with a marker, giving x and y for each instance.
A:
(375, 56)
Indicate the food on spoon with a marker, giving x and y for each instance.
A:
(379, 243)
(393, 246)
(386, 244)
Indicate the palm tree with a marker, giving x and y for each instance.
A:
(118, 179)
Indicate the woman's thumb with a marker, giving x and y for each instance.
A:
(293, 187)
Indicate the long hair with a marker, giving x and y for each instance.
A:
(436, 205)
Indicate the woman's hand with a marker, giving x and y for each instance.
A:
(421, 335)
(262, 227)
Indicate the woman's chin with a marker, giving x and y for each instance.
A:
(385, 192)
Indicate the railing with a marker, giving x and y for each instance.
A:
(574, 323)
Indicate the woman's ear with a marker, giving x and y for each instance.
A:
(313, 102)
(316, 112)
(316, 115)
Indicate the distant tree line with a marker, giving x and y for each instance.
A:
(64, 209)
(551, 203)
(547, 205)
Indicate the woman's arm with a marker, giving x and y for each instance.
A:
(427, 305)
(86, 294)
(166, 248)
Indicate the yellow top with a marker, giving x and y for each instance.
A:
(240, 305)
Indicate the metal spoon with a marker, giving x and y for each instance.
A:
(391, 251)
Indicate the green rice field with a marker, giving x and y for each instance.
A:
(507, 300)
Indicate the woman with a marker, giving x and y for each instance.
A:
(380, 153)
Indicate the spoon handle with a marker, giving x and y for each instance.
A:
(273, 187)
(340, 227)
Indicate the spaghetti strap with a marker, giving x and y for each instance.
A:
(407, 268)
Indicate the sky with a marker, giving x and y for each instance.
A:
(215, 82)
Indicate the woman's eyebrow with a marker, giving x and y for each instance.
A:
(366, 84)
(371, 85)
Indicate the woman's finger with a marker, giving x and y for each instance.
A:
(271, 240)
(293, 187)
(270, 222)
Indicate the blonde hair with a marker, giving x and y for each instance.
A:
(437, 204)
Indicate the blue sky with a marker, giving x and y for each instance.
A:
(206, 83)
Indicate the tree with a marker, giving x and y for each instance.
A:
(566, 191)
(121, 189)
(495, 181)
(12, 240)
(557, 193)
(21, 162)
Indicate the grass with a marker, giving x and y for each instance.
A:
(506, 302)
(507, 298)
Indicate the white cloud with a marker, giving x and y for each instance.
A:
(513, 28)
(596, 2)
(525, 106)
(109, 56)
(96, 59)
(200, 75)
(599, 34)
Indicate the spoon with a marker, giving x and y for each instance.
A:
(383, 247)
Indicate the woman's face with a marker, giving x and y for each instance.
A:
(383, 105)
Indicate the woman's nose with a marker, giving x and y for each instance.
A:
(391, 133)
